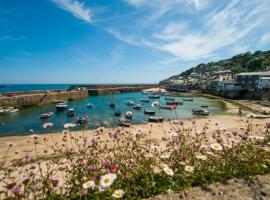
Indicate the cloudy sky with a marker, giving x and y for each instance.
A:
(123, 41)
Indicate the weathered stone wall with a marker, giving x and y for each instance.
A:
(41, 98)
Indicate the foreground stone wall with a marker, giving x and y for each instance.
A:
(41, 98)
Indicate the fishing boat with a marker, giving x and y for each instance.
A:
(137, 107)
(46, 115)
(117, 113)
(129, 114)
(187, 99)
(112, 104)
(149, 112)
(130, 103)
(61, 106)
(154, 96)
(145, 100)
(171, 107)
(71, 112)
(200, 112)
(125, 124)
(169, 99)
(204, 106)
(82, 120)
(171, 103)
(89, 105)
(156, 119)
(10, 110)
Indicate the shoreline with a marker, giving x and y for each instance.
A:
(22, 145)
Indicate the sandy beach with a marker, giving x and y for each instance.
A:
(22, 145)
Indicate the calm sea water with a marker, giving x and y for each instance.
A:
(30, 87)
(28, 118)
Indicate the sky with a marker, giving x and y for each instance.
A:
(123, 41)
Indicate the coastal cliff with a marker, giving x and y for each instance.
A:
(41, 98)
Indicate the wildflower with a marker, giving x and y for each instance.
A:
(89, 185)
(11, 144)
(47, 125)
(200, 157)
(189, 168)
(17, 191)
(54, 182)
(169, 191)
(114, 169)
(107, 180)
(167, 170)
(216, 147)
(34, 136)
(155, 104)
(69, 125)
(118, 194)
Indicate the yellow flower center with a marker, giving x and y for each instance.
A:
(106, 180)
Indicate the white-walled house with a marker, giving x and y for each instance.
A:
(263, 83)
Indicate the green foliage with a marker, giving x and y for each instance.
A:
(245, 62)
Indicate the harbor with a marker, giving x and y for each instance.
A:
(99, 112)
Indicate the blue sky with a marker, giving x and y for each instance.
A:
(123, 41)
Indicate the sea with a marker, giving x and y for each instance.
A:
(31, 87)
(28, 118)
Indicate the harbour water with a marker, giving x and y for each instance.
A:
(29, 118)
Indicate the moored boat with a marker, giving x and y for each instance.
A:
(171, 103)
(10, 110)
(71, 112)
(112, 104)
(154, 96)
(169, 99)
(129, 114)
(145, 100)
(61, 106)
(82, 120)
(117, 113)
(156, 119)
(149, 112)
(46, 115)
(137, 107)
(130, 103)
(187, 99)
(204, 106)
(200, 112)
(170, 107)
(89, 105)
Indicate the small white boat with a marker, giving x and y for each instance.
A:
(156, 119)
(130, 103)
(1, 111)
(154, 96)
(149, 112)
(200, 112)
(71, 112)
(137, 107)
(10, 110)
(61, 106)
(46, 115)
(129, 114)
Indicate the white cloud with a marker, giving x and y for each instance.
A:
(206, 33)
(79, 10)
(265, 39)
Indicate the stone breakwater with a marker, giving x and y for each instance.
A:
(41, 98)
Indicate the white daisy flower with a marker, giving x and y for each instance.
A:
(200, 157)
(89, 185)
(167, 170)
(118, 194)
(107, 180)
(189, 168)
(216, 147)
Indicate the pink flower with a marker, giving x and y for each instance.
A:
(267, 124)
(17, 191)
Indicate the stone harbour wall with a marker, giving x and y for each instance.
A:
(41, 98)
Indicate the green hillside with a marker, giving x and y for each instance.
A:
(245, 62)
